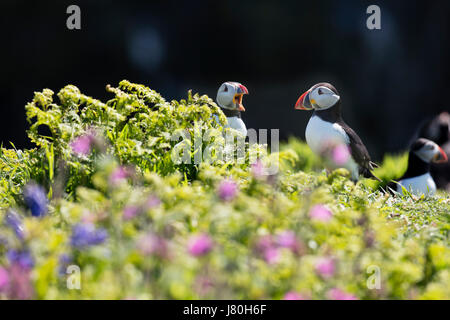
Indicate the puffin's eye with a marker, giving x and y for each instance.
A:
(225, 89)
(320, 91)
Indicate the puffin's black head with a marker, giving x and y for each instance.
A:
(320, 97)
(437, 129)
(428, 151)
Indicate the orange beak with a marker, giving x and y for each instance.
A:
(441, 157)
(303, 102)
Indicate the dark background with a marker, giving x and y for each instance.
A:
(390, 80)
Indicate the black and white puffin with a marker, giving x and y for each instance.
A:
(417, 178)
(326, 127)
(438, 130)
(229, 99)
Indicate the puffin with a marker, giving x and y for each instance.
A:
(229, 98)
(417, 178)
(437, 130)
(326, 128)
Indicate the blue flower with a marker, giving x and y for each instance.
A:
(85, 235)
(64, 261)
(22, 258)
(14, 221)
(36, 199)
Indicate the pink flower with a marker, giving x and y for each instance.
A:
(20, 287)
(200, 245)
(130, 212)
(287, 239)
(320, 213)
(292, 295)
(326, 267)
(227, 190)
(338, 294)
(82, 145)
(153, 244)
(271, 255)
(258, 170)
(266, 247)
(341, 154)
(118, 175)
(4, 278)
(152, 202)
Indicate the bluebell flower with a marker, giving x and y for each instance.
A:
(85, 235)
(14, 221)
(36, 200)
(64, 261)
(22, 258)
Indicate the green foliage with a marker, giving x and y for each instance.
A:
(406, 238)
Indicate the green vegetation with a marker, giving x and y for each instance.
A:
(140, 226)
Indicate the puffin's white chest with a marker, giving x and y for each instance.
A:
(419, 185)
(238, 124)
(320, 134)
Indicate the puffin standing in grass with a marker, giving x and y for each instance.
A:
(326, 129)
(229, 99)
(417, 178)
(438, 130)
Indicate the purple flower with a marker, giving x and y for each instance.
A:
(340, 154)
(287, 239)
(64, 261)
(4, 278)
(200, 245)
(14, 221)
(36, 199)
(292, 295)
(130, 212)
(21, 258)
(82, 145)
(326, 267)
(153, 244)
(227, 190)
(320, 213)
(85, 235)
(338, 294)
(258, 170)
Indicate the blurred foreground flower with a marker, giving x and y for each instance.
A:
(288, 239)
(267, 248)
(119, 175)
(320, 213)
(227, 190)
(36, 199)
(153, 244)
(292, 295)
(83, 144)
(20, 258)
(4, 278)
(258, 170)
(20, 284)
(130, 212)
(338, 294)
(14, 221)
(325, 267)
(85, 235)
(152, 202)
(200, 245)
(341, 154)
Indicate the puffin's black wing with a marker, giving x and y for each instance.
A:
(359, 152)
